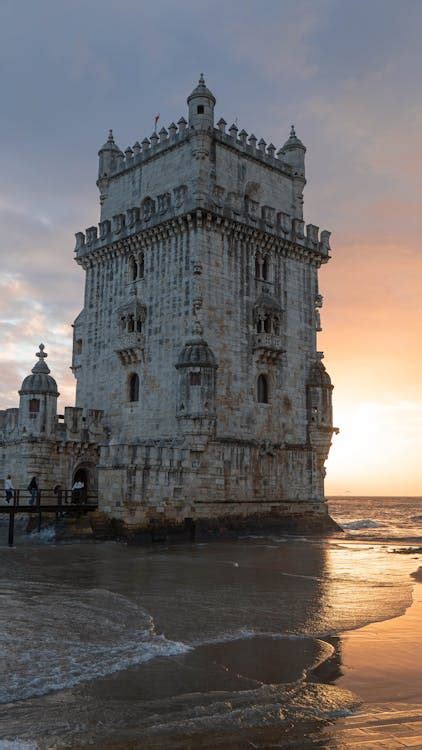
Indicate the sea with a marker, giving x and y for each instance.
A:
(227, 644)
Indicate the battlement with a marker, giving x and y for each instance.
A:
(176, 135)
(8, 422)
(250, 213)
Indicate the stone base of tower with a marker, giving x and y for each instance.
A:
(308, 519)
(215, 489)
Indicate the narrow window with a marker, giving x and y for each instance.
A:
(131, 324)
(133, 269)
(257, 268)
(141, 266)
(139, 325)
(133, 387)
(200, 109)
(78, 346)
(265, 269)
(34, 406)
(195, 378)
(276, 325)
(262, 389)
(267, 324)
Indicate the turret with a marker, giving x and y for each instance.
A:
(38, 399)
(320, 413)
(197, 367)
(201, 103)
(293, 153)
(107, 155)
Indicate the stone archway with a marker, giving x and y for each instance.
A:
(86, 474)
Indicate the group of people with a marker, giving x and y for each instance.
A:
(33, 489)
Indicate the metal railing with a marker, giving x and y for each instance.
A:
(59, 502)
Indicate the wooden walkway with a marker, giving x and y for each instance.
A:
(59, 505)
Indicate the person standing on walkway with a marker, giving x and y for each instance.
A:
(8, 488)
(33, 490)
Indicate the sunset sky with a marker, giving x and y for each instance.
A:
(347, 74)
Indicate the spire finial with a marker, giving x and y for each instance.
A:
(202, 80)
(41, 365)
(292, 132)
(110, 136)
(41, 353)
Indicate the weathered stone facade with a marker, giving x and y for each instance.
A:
(196, 348)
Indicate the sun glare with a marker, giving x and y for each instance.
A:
(376, 449)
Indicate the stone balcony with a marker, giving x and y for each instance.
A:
(268, 346)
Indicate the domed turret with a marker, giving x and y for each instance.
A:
(319, 389)
(196, 353)
(201, 103)
(293, 153)
(38, 398)
(319, 376)
(107, 155)
(197, 384)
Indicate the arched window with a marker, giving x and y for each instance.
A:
(141, 266)
(262, 389)
(257, 267)
(133, 269)
(131, 324)
(200, 109)
(133, 387)
(34, 406)
(267, 324)
(139, 325)
(265, 269)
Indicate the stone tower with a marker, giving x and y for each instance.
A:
(197, 341)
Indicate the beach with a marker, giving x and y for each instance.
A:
(270, 641)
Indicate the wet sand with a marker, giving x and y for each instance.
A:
(256, 643)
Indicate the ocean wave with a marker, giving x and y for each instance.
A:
(363, 523)
(80, 636)
(47, 534)
(269, 705)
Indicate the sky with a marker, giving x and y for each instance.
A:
(347, 74)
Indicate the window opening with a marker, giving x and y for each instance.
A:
(134, 387)
(262, 388)
(200, 109)
(133, 269)
(195, 378)
(34, 406)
